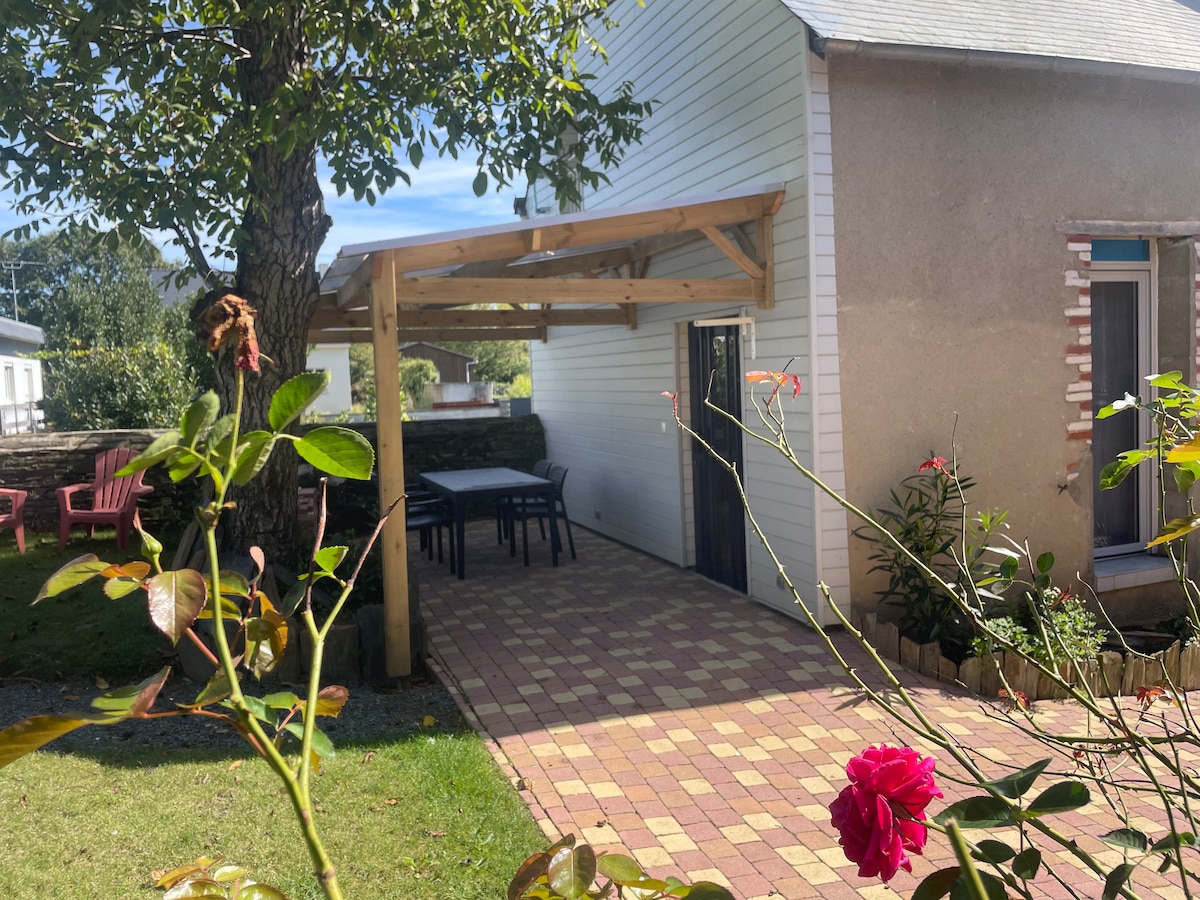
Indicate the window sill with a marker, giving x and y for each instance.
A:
(1114, 573)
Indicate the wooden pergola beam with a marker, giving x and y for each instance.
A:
(390, 466)
(733, 251)
(462, 291)
(584, 230)
(492, 318)
(432, 335)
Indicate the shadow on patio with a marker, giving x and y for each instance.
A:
(648, 710)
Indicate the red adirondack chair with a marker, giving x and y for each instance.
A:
(15, 517)
(114, 500)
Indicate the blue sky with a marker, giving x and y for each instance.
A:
(440, 199)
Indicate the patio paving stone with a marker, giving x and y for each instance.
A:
(653, 712)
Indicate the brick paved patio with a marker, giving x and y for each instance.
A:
(650, 711)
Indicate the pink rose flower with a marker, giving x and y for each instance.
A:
(879, 814)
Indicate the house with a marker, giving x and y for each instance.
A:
(977, 195)
(966, 224)
(20, 377)
(452, 366)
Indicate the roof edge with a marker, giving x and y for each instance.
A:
(998, 59)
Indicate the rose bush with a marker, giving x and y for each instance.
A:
(880, 814)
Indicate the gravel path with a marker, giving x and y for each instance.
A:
(369, 715)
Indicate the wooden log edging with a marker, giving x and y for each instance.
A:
(1110, 674)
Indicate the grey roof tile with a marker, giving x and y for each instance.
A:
(1156, 33)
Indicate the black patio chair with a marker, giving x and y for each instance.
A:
(536, 508)
(541, 469)
(426, 516)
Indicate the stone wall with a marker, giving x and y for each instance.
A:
(39, 463)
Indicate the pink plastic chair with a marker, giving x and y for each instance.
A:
(114, 500)
(15, 517)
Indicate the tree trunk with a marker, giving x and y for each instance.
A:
(285, 225)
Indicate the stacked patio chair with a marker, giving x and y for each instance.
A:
(425, 515)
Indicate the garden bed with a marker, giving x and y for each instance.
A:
(1111, 673)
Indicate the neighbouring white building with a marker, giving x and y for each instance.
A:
(20, 377)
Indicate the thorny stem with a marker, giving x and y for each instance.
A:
(928, 729)
(297, 789)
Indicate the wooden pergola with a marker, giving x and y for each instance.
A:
(513, 282)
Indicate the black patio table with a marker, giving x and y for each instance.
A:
(458, 486)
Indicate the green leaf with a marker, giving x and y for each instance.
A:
(234, 584)
(1116, 880)
(175, 600)
(1058, 798)
(338, 451)
(993, 889)
(1185, 476)
(229, 872)
(254, 450)
(1045, 562)
(218, 688)
(260, 710)
(1174, 530)
(259, 892)
(1015, 785)
(1172, 381)
(619, 868)
(30, 734)
(1027, 863)
(994, 852)
(1127, 402)
(1183, 839)
(480, 184)
(1128, 838)
(321, 744)
(977, 812)
(937, 884)
(80, 570)
(163, 447)
(199, 416)
(706, 890)
(134, 699)
(572, 871)
(281, 700)
(294, 396)
(329, 558)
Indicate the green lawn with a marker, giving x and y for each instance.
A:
(422, 816)
(80, 634)
(427, 817)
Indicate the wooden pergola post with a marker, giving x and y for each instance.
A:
(390, 464)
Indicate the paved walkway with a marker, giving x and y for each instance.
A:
(650, 711)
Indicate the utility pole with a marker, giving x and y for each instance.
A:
(11, 267)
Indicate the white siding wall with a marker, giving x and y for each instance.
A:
(729, 81)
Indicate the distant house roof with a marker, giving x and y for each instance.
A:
(164, 281)
(1156, 34)
(22, 332)
(412, 344)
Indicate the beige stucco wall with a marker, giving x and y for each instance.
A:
(948, 182)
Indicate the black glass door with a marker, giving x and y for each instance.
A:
(715, 369)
